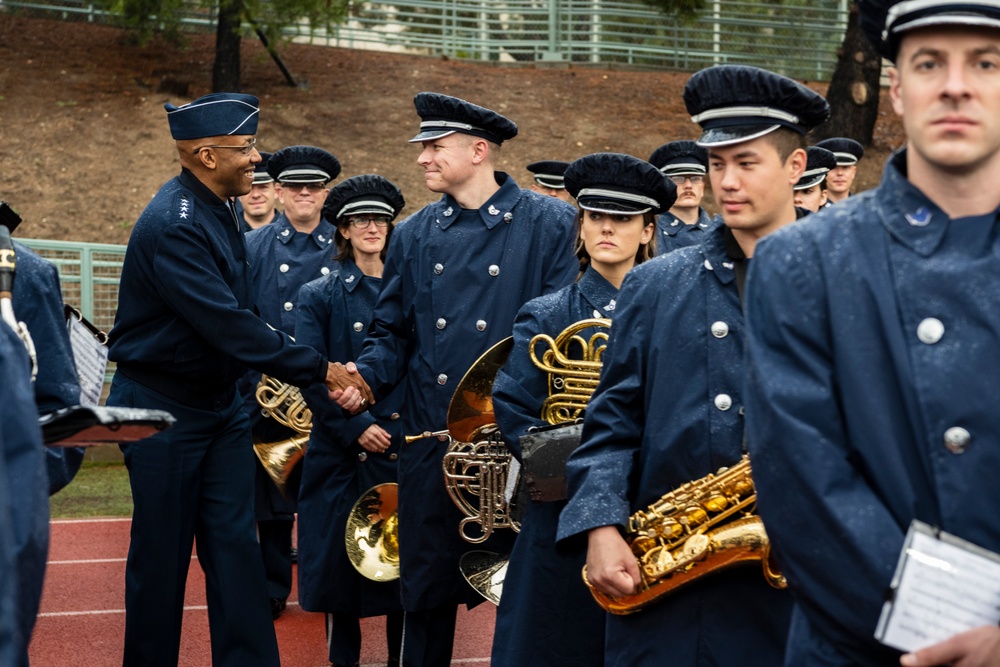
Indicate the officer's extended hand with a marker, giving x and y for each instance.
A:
(611, 566)
(348, 388)
(375, 439)
(979, 647)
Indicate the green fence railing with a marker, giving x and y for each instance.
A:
(798, 38)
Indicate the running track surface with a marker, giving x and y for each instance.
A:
(82, 619)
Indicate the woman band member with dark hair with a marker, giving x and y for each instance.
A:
(347, 456)
(546, 615)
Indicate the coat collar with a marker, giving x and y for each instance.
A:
(598, 292)
(670, 224)
(350, 275)
(497, 209)
(909, 216)
(714, 249)
(322, 236)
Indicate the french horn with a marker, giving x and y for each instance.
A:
(372, 533)
(285, 404)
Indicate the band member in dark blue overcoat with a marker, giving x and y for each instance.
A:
(456, 273)
(685, 163)
(24, 504)
(547, 616)
(848, 153)
(295, 248)
(258, 207)
(874, 341)
(347, 456)
(38, 303)
(810, 191)
(668, 408)
(184, 333)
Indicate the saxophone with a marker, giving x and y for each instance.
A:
(697, 529)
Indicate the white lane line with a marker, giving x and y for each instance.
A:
(98, 612)
(87, 561)
(108, 520)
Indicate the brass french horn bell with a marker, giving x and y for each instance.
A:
(372, 533)
(485, 571)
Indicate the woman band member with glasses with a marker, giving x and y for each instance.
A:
(347, 456)
(546, 615)
(685, 163)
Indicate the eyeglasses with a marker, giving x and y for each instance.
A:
(363, 223)
(245, 149)
(695, 179)
(296, 187)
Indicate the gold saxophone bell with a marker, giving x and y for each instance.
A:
(285, 404)
(702, 527)
(372, 533)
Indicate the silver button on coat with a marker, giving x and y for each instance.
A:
(720, 329)
(441, 323)
(957, 439)
(358, 326)
(723, 401)
(442, 379)
(481, 325)
(289, 305)
(494, 270)
(930, 330)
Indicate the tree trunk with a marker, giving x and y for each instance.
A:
(854, 89)
(226, 71)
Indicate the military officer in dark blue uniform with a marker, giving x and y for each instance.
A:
(668, 409)
(347, 457)
(258, 207)
(548, 179)
(848, 152)
(686, 164)
(546, 615)
(456, 273)
(811, 190)
(184, 333)
(284, 255)
(873, 339)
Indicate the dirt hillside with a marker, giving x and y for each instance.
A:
(84, 142)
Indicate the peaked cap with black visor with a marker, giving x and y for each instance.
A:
(549, 173)
(441, 115)
(616, 183)
(884, 23)
(819, 163)
(303, 164)
(367, 193)
(680, 158)
(737, 103)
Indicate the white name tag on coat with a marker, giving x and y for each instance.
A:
(943, 586)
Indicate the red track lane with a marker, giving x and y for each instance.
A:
(82, 620)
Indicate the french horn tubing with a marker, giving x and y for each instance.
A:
(285, 404)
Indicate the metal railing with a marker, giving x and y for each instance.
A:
(795, 37)
(88, 275)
